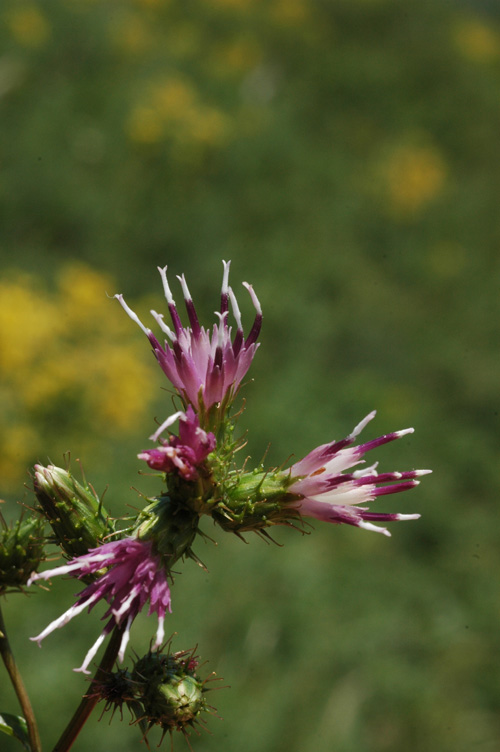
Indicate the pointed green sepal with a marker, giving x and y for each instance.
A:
(252, 501)
(171, 525)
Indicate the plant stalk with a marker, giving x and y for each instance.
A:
(89, 701)
(20, 689)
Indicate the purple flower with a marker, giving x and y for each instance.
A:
(205, 367)
(182, 454)
(134, 576)
(332, 495)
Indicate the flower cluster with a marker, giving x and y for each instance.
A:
(183, 454)
(328, 493)
(206, 368)
(133, 576)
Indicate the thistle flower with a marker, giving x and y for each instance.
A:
(330, 494)
(134, 575)
(181, 454)
(205, 368)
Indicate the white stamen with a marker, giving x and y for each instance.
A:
(374, 528)
(422, 472)
(222, 328)
(166, 288)
(408, 516)
(62, 620)
(131, 313)
(125, 639)
(254, 297)
(166, 423)
(160, 632)
(91, 653)
(372, 470)
(158, 317)
(225, 278)
(185, 290)
(357, 430)
(126, 604)
(235, 309)
(67, 568)
(404, 432)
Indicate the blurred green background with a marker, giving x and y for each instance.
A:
(345, 155)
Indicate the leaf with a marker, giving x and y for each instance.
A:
(15, 725)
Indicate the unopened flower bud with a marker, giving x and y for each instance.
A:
(171, 525)
(254, 501)
(170, 692)
(21, 551)
(162, 689)
(74, 512)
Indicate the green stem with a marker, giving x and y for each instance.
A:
(89, 701)
(18, 684)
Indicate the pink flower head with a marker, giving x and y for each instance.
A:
(134, 575)
(181, 454)
(332, 495)
(203, 365)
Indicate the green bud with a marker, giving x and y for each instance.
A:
(75, 513)
(169, 691)
(163, 689)
(254, 500)
(171, 524)
(21, 551)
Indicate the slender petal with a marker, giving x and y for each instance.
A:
(133, 575)
(183, 454)
(329, 493)
(203, 364)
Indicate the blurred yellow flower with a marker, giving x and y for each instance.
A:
(238, 56)
(172, 110)
(144, 125)
(414, 176)
(152, 3)
(130, 33)
(28, 25)
(71, 371)
(477, 41)
(18, 443)
(173, 98)
(236, 4)
(290, 12)
(28, 322)
(209, 126)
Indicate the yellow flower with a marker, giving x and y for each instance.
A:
(129, 33)
(145, 125)
(414, 176)
(476, 41)
(71, 371)
(28, 25)
(290, 12)
(173, 98)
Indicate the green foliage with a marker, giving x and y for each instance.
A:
(21, 550)
(15, 726)
(343, 154)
